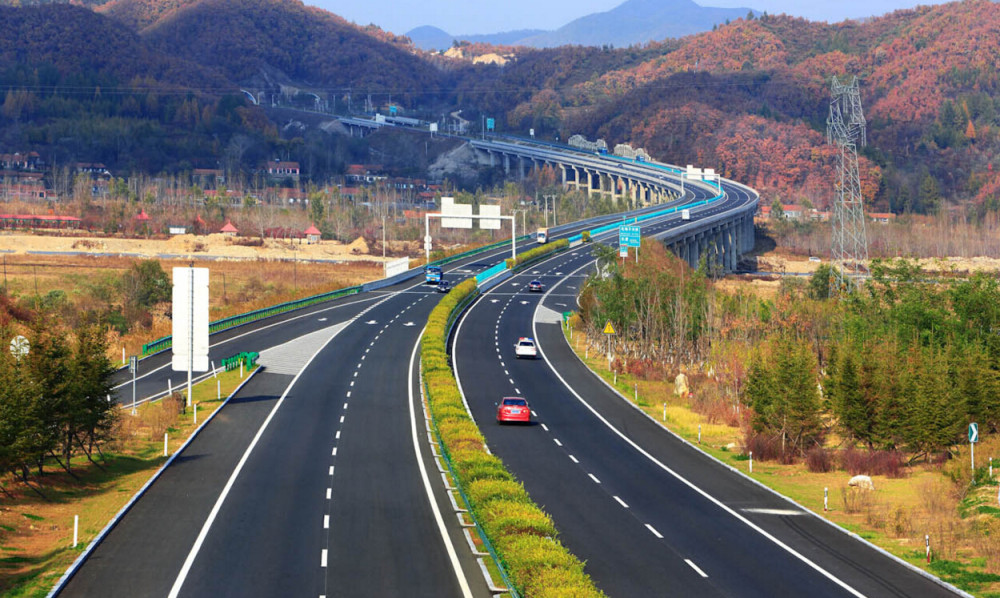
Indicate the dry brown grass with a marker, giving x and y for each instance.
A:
(234, 286)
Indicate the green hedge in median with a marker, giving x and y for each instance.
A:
(522, 535)
(537, 253)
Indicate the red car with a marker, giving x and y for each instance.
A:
(513, 409)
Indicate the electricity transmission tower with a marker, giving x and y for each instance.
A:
(845, 128)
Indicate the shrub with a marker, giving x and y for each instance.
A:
(865, 462)
(819, 460)
(767, 448)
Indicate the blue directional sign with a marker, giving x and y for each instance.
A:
(629, 236)
(491, 124)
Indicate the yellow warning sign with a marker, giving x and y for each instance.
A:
(608, 328)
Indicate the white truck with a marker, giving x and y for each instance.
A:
(685, 214)
(542, 236)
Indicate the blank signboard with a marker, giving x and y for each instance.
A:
(190, 315)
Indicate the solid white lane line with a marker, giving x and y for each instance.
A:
(200, 540)
(593, 477)
(445, 537)
(620, 501)
(322, 558)
(696, 568)
(653, 529)
(556, 440)
(326, 522)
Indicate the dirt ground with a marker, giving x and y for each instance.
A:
(188, 246)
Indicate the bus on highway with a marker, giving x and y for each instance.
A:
(433, 274)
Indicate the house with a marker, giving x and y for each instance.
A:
(882, 217)
(229, 230)
(277, 170)
(312, 234)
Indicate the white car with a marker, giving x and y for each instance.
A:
(525, 347)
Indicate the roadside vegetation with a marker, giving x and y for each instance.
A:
(882, 381)
(36, 516)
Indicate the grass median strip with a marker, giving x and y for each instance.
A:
(36, 522)
(523, 536)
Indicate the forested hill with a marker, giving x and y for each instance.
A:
(749, 98)
(245, 38)
(70, 45)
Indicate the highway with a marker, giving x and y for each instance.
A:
(317, 479)
(649, 514)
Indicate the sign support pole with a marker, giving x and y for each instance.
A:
(190, 337)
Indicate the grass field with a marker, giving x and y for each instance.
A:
(36, 521)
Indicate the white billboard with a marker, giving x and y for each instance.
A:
(489, 223)
(450, 208)
(190, 320)
(395, 267)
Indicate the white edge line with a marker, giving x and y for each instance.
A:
(685, 481)
(193, 554)
(445, 538)
(139, 494)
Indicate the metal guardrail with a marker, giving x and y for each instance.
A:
(259, 314)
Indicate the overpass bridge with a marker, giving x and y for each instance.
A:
(712, 217)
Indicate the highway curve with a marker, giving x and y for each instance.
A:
(650, 515)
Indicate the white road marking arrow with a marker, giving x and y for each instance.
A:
(494, 300)
(371, 322)
(409, 324)
(322, 319)
(524, 303)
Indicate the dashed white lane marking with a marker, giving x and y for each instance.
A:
(326, 522)
(508, 374)
(773, 511)
(331, 470)
(329, 493)
(334, 451)
(348, 396)
(517, 390)
(653, 529)
(544, 427)
(593, 477)
(345, 405)
(352, 382)
(355, 374)
(621, 502)
(533, 413)
(556, 440)
(322, 559)
(337, 437)
(342, 418)
(696, 568)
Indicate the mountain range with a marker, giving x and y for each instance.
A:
(147, 87)
(633, 22)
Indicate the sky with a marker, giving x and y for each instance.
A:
(459, 17)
